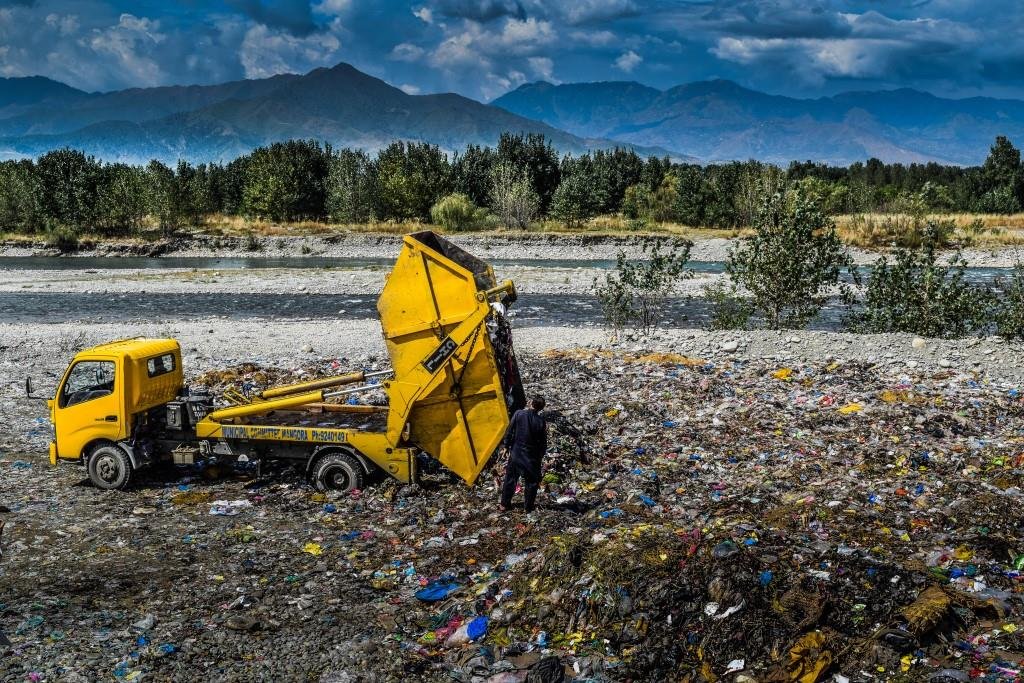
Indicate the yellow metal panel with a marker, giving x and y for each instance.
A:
(142, 391)
(436, 294)
(400, 463)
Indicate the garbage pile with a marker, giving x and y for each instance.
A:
(729, 521)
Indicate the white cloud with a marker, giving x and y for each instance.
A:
(816, 59)
(406, 52)
(266, 52)
(410, 89)
(525, 35)
(66, 24)
(332, 8)
(425, 14)
(542, 67)
(130, 43)
(594, 38)
(496, 84)
(472, 44)
(628, 61)
(868, 46)
(456, 50)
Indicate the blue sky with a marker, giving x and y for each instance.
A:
(482, 48)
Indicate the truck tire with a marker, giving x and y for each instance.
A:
(338, 472)
(109, 468)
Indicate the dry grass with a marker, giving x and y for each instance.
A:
(237, 226)
(871, 231)
(877, 230)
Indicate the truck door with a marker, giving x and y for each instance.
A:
(88, 406)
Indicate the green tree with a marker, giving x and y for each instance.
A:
(575, 202)
(411, 177)
(351, 187)
(1002, 165)
(535, 154)
(513, 198)
(229, 186)
(123, 199)
(936, 197)
(614, 172)
(163, 200)
(831, 197)
(472, 173)
(916, 294)
(20, 198)
(790, 262)
(636, 201)
(68, 182)
(664, 199)
(755, 180)
(1004, 178)
(192, 193)
(286, 181)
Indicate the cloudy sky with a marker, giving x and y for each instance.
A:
(482, 48)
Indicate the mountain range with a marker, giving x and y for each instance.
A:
(341, 105)
(720, 120)
(703, 121)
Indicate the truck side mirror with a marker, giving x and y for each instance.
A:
(30, 390)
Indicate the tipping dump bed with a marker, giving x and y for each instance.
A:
(459, 411)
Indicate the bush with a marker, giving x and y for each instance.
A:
(252, 242)
(635, 292)
(915, 294)
(729, 309)
(456, 212)
(1009, 316)
(63, 238)
(791, 261)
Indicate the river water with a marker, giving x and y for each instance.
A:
(530, 310)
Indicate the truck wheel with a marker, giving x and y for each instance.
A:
(110, 468)
(338, 472)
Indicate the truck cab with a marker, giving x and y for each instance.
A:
(105, 394)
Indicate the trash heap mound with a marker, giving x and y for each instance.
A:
(751, 522)
(699, 521)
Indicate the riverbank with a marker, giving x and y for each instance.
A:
(496, 245)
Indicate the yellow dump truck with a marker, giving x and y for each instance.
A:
(451, 388)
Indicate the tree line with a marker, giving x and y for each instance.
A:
(519, 181)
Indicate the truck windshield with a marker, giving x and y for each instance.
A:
(88, 380)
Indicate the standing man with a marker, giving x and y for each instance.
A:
(526, 441)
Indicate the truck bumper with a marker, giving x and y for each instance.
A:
(53, 453)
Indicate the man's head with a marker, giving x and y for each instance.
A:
(537, 402)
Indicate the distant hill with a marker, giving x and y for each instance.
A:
(720, 120)
(340, 105)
